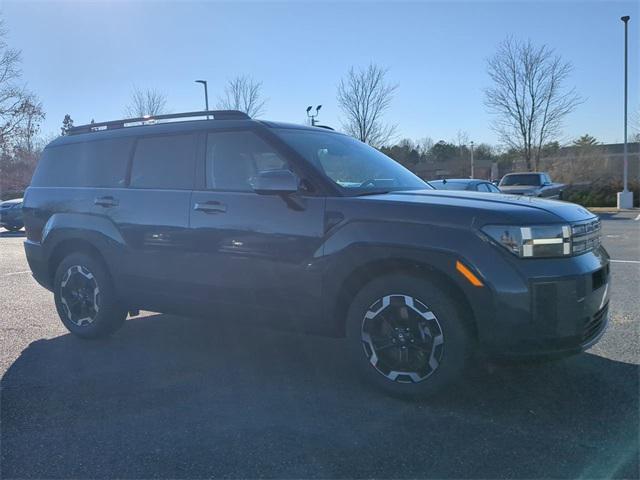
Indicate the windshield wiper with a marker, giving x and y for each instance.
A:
(372, 192)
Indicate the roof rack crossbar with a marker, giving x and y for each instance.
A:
(114, 124)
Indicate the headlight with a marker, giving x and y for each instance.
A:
(534, 241)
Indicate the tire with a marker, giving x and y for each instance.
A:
(438, 347)
(14, 228)
(85, 297)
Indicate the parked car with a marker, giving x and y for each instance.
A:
(469, 184)
(11, 214)
(533, 184)
(308, 229)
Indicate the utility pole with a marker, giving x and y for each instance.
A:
(472, 164)
(625, 198)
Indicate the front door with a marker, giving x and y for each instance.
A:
(250, 250)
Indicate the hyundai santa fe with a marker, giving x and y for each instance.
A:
(308, 229)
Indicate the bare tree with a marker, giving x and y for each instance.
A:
(146, 102)
(15, 101)
(364, 96)
(424, 145)
(635, 126)
(528, 96)
(33, 115)
(245, 94)
(462, 139)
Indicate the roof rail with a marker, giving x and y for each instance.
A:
(127, 122)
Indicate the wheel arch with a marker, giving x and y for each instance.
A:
(68, 246)
(366, 272)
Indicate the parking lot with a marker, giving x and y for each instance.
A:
(185, 398)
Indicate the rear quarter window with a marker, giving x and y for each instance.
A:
(101, 163)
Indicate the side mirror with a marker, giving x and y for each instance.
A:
(275, 182)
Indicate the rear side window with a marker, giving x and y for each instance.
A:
(165, 162)
(101, 163)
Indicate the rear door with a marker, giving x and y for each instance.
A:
(249, 249)
(152, 214)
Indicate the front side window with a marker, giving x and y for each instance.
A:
(234, 158)
(165, 162)
(354, 166)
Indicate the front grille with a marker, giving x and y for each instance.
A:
(585, 236)
(593, 326)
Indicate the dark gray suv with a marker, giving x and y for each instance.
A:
(308, 229)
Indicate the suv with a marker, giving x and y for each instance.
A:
(308, 229)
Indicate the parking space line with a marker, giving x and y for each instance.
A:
(625, 261)
(16, 273)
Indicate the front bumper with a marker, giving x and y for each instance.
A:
(549, 307)
(11, 219)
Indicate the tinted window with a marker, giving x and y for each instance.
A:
(234, 158)
(482, 187)
(493, 188)
(100, 163)
(164, 162)
(526, 179)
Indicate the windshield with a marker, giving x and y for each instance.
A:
(354, 166)
(532, 179)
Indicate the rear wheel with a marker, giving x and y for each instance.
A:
(14, 228)
(408, 336)
(85, 297)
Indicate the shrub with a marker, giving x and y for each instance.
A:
(601, 193)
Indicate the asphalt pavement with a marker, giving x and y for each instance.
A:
(171, 397)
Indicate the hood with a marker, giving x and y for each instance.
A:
(494, 207)
(519, 189)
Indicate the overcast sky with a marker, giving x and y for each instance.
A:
(83, 58)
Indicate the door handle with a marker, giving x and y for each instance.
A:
(210, 207)
(106, 201)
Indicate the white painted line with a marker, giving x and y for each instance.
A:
(625, 261)
(16, 273)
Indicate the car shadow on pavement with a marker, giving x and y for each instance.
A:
(171, 397)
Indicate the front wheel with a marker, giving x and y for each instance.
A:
(14, 228)
(408, 336)
(85, 297)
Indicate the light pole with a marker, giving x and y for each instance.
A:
(206, 95)
(472, 164)
(313, 117)
(625, 198)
